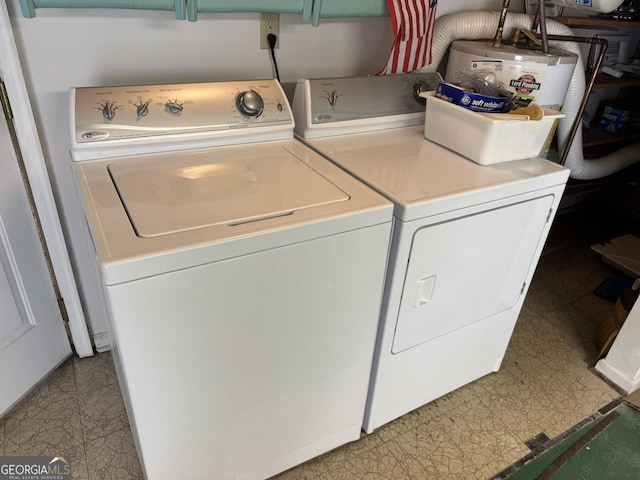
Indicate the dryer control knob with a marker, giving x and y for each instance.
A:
(250, 103)
(419, 87)
(108, 110)
(332, 97)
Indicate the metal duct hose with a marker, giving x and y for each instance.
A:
(478, 25)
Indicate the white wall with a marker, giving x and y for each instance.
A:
(70, 48)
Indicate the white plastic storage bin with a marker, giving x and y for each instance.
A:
(481, 138)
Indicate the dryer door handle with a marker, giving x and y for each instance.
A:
(424, 290)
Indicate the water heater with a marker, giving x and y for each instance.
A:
(531, 75)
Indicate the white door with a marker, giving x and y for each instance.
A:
(33, 340)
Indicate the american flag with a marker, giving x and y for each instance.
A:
(412, 22)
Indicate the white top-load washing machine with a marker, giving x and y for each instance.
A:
(242, 271)
(466, 237)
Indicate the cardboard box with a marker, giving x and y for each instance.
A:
(614, 119)
(612, 323)
(480, 137)
(617, 48)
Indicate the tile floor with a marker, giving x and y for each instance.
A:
(545, 385)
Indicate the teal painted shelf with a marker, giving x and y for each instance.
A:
(310, 10)
(178, 6)
(301, 7)
(352, 8)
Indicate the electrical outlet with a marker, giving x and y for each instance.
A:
(269, 23)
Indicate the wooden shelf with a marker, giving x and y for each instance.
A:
(597, 137)
(596, 22)
(607, 81)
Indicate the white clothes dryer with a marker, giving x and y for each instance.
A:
(242, 273)
(466, 238)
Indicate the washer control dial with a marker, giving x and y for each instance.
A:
(249, 103)
(108, 110)
(142, 108)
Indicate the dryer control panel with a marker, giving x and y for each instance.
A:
(134, 112)
(340, 106)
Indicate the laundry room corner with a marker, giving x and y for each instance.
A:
(287, 264)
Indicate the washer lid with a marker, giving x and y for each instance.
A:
(186, 191)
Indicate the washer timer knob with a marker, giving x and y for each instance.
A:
(250, 103)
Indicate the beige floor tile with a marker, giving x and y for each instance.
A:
(322, 466)
(565, 283)
(592, 307)
(492, 469)
(79, 469)
(545, 384)
(2, 436)
(346, 454)
(93, 372)
(390, 461)
(113, 457)
(46, 419)
(102, 411)
(36, 433)
(483, 434)
(531, 408)
(47, 422)
(541, 299)
(401, 425)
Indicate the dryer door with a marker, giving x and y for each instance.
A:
(467, 269)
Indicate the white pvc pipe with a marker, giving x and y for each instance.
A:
(477, 25)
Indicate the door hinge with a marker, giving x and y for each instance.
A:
(4, 99)
(549, 215)
(524, 285)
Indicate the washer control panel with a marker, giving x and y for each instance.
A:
(122, 112)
